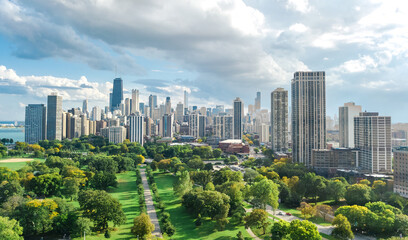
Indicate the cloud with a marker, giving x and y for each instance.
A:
(42, 86)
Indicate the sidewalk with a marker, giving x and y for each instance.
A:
(149, 204)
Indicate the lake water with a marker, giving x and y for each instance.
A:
(17, 134)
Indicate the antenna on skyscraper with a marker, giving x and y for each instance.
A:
(116, 71)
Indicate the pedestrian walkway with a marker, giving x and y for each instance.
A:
(151, 211)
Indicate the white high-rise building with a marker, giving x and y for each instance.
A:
(85, 106)
(136, 129)
(54, 117)
(258, 101)
(308, 115)
(179, 112)
(238, 115)
(127, 107)
(168, 105)
(372, 136)
(185, 102)
(346, 123)
(114, 134)
(279, 119)
(135, 101)
(96, 114)
(264, 133)
(223, 127)
(194, 124)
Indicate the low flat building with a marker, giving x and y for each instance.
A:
(335, 158)
(233, 146)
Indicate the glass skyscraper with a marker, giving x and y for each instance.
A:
(117, 94)
(35, 123)
(54, 117)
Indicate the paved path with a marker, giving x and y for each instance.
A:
(149, 204)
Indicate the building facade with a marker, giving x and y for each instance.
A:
(401, 171)
(54, 117)
(117, 94)
(238, 113)
(346, 123)
(279, 120)
(136, 128)
(308, 115)
(35, 123)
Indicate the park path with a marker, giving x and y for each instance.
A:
(151, 211)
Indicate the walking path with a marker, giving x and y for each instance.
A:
(149, 204)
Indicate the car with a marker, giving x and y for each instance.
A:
(288, 214)
(280, 213)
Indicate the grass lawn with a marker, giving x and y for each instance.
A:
(16, 165)
(126, 192)
(184, 222)
(297, 213)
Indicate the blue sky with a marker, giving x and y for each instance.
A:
(216, 50)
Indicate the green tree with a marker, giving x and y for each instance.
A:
(217, 153)
(250, 175)
(257, 218)
(101, 207)
(307, 210)
(324, 210)
(8, 189)
(240, 236)
(342, 228)
(201, 177)
(210, 186)
(280, 230)
(183, 183)
(359, 194)
(103, 180)
(7, 174)
(358, 216)
(336, 190)
(211, 204)
(401, 224)
(142, 226)
(195, 163)
(103, 163)
(164, 165)
(46, 185)
(380, 188)
(10, 229)
(301, 230)
(71, 187)
(265, 192)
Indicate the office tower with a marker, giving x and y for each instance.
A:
(54, 117)
(251, 109)
(64, 125)
(35, 123)
(279, 119)
(148, 124)
(152, 103)
(68, 117)
(162, 110)
(135, 100)
(185, 102)
(179, 112)
(117, 94)
(264, 133)
(142, 108)
(76, 126)
(168, 106)
(136, 128)
(84, 126)
(308, 115)
(127, 107)
(107, 109)
(223, 127)
(147, 111)
(258, 101)
(194, 125)
(400, 171)
(372, 136)
(96, 114)
(346, 123)
(201, 126)
(167, 125)
(238, 110)
(114, 134)
(110, 102)
(203, 111)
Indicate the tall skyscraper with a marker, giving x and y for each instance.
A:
(308, 115)
(185, 101)
(223, 127)
(258, 101)
(168, 105)
(179, 112)
(372, 136)
(201, 126)
(136, 128)
(127, 107)
(346, 123)
(167, 125)
(35, 123)
(194, 125)
(152, 103)
(54, 117)
(135, 100)
(85, 106)
(279, 119)
(142, 108)
(238, 113)
(96, 114)
(117, 94)
(400, 172)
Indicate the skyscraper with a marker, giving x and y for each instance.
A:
(279, 119)
(152, 103)
(35, 123)
(135, 100)
(372, 136)
(54, 117)
(308, 115)
(168, 105)
(96, 114)
(179, 112)
(194, 125)
(185, 102)
(167, 125)
(117, 94)
(127, 107)
(258, 101)
(223, 127)
(85, 106)
(238, 113)
(136, 128)
(346, 123)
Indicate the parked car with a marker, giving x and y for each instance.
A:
(280, 213)
(288, 214)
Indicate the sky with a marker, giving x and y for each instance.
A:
(216, 50)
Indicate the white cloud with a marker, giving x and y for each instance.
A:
(299, 5)
(298, 27)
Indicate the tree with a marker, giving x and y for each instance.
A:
(10, 229)
(71, 187)
(250, 175)
(358, 216)
(240, 236)
(265, 192)
(280, 230)
(257, 218)
(226, 175)
(8, 189)
(103, 180)
(211, 204)
(164, 165)
(46, 185)
(300, 230)
(342, 228)
(103, 163)
(7, 174)
(235, 191)
(359, 194)
(195, 163)
(401, 224)
(336, 190)
(210, 186)
(379, 187)
(365, 182)
(307, 210)
(217, 153)
(201, 177)
(142, 226)
(101, 207)
(324, 210)
(183, 183)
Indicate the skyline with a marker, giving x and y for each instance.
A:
(361, 49)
